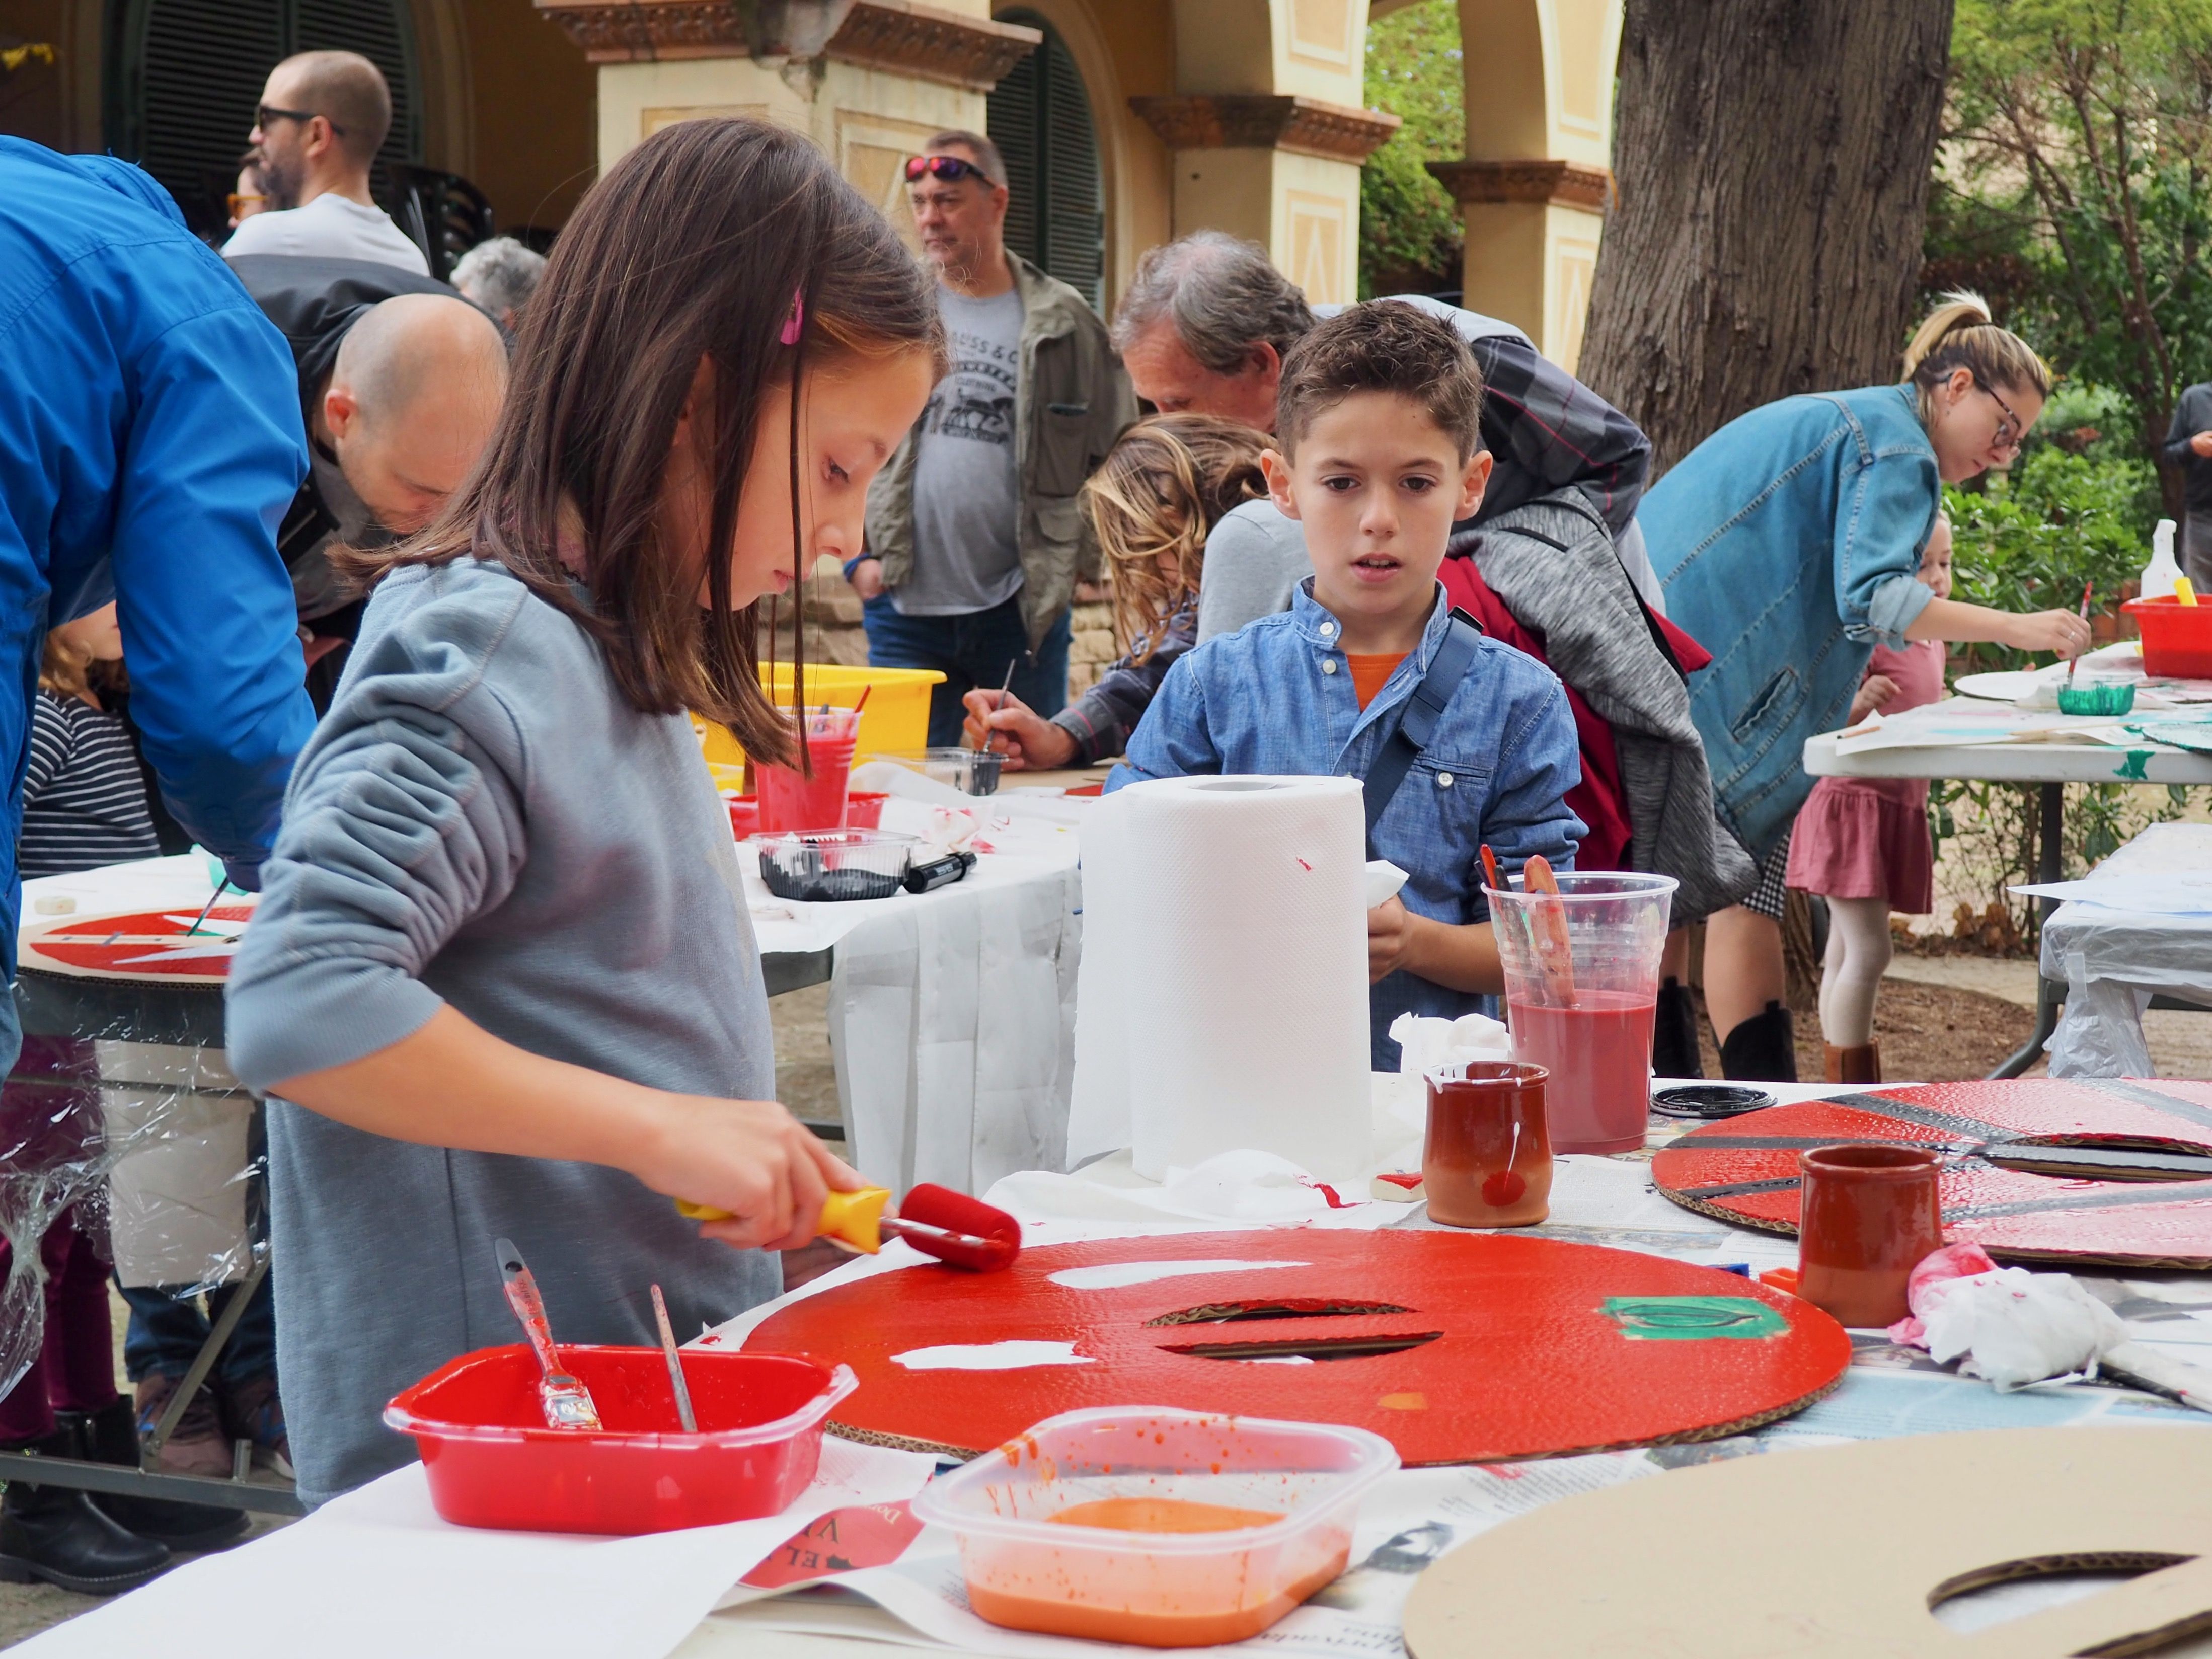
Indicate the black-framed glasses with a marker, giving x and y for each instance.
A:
(2012, 431)
(951, 168)
(264, 113)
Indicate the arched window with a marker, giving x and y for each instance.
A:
(184, 76)
(1039, 118)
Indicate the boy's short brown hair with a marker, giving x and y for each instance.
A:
(1383, 346)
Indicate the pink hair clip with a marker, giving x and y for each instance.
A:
(797, 319)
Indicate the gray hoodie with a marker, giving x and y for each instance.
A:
(482, 821)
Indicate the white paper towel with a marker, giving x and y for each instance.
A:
(1222, 996)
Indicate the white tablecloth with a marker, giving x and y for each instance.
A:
(2113, 961)
(952, 1013)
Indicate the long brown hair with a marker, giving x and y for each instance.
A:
(1161, 488)
(708, 240)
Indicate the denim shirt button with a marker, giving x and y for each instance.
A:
(1443, 780)
(1328, 630)
(1328, 664)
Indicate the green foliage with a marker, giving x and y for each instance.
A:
(2035, 536)
(1409, 227)
(1994, 831)
(2076, 186)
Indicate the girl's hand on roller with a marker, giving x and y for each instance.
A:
(2060, 631)
(1004, 722)
(750, 1158)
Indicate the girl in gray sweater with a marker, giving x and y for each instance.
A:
(502, 980)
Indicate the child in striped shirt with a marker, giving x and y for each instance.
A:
(84, 798)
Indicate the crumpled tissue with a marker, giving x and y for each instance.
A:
(1425, 1042)
(2012, 1327)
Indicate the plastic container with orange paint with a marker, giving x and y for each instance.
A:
(1176, 1588)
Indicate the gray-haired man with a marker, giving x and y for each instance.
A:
(1204, 327)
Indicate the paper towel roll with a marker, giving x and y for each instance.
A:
(1222, 996)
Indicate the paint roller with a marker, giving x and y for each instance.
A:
(958, 1231)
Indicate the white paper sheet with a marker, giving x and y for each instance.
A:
(377, 1575)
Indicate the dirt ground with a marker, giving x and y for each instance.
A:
(1927, 1033)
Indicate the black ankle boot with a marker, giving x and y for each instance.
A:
(1762, 1049)
(56, 1534)
(1675, 1033)
(110, 1435)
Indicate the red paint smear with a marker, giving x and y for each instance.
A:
(1408, 1182)
(1328, 1192)
(2142, 1233)
(844, 1541)
(1526, 1364)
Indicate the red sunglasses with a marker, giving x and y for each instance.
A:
(951, 168)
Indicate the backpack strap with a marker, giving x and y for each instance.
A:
(1417, 722)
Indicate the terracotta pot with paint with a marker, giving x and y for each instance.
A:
(1487, 1161)
(1867, 1216)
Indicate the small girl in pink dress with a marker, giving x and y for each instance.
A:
(1862, 843)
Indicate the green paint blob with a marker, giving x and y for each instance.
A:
(1692, 1318)
(2132, 764)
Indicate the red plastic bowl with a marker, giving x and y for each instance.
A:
(493, 1463)
(864, 809)
(744, 815)
(2177, 638)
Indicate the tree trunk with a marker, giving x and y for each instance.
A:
(1773, 158)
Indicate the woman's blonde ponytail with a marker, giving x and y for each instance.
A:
(1960, 334)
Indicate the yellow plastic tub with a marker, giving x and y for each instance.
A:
(897, 717)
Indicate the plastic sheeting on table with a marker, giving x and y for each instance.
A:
(2113, 961)
(150, 1144)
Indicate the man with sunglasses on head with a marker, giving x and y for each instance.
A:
(975, 538)
(315, 134)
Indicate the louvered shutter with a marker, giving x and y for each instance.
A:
(187, 75)
(1039, 118)
(196, 76)
(1012, 124)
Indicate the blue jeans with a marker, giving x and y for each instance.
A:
(970, 651)
(167, 1329)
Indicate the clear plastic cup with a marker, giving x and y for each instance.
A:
(789, 799)
(1582, 976)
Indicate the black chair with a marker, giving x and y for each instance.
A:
(443, 213)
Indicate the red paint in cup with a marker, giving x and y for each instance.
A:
(789, 799)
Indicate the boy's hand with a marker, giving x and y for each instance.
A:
(1028, 741)
(750, 1158)
(1878, 691)
(1389, 938)
(868, 577)
(2060, 631)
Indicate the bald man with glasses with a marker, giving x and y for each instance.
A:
(322, 117)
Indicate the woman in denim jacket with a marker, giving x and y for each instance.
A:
(1787, 543)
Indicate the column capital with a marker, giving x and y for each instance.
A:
(903, 36)
(1563, 183)
(1309, 126)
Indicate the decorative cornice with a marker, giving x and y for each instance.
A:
(937, 45)
(899, 35)
(1567, 184)
(1265, 121)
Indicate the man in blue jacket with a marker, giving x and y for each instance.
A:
(149, 442)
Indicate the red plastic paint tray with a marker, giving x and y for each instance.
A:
(493, 1463)
(2177, 638)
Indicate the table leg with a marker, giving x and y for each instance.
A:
(2050, 867)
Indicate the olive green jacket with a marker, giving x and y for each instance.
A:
(1071, 401)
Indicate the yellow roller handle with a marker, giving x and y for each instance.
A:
(853, 1218)
(2184, 590)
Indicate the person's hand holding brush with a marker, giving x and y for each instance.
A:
(1001, 720)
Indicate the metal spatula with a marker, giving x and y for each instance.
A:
(565, 1401)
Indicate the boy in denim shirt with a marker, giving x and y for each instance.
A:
(1378, 414)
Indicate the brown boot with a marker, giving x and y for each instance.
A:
(1859, 1065)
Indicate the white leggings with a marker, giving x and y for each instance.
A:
(1858, 956)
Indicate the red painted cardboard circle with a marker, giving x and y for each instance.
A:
(141, 944)
(1527, 1364)
(1745, 1170)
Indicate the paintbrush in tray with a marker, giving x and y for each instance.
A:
(2074, 661)
(566, 1402)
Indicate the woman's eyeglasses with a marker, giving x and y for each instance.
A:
(2011, 431)
(951, 168)
(264, 114)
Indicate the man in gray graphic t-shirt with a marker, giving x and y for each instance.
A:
(974, 541)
